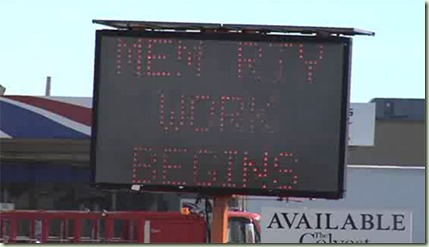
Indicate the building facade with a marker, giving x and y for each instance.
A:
(45, 165)
(400, 135)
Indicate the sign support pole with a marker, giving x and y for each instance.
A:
(219, 229)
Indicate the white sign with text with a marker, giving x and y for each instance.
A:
(361, 124)
(316, 225)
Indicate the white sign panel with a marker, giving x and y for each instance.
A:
(289, 225)
(361, 124)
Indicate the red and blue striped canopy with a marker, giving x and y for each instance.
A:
(32, 117)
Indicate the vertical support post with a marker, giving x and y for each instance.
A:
(141, 234)
(110, 231)
(147, 231)
(219, 229)
(95, 229)
(13, 229)
(45, 230)
(77, 230)
(48, 86)
(62, 231)
(2, 227)
(66, 229)
(33, 236)
(126, 230)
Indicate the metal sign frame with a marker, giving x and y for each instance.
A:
(237, 37)
(242, 28)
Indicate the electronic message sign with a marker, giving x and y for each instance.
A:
(221, 113)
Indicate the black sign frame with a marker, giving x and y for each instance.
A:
(345, 97)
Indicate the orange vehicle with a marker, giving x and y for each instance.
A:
(244, 227)
(20, 226)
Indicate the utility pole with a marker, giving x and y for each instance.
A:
(48, 86)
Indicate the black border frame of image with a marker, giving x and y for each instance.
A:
(345, 97)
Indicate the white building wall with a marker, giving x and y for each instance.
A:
(372, 188)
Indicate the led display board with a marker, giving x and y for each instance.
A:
(221, 113)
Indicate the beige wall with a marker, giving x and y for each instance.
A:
(396, 143)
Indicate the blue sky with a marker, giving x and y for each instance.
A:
(56, 38)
